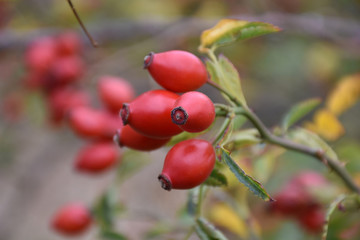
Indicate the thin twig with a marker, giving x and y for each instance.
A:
(93, 42)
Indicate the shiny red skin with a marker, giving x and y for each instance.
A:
(62, 100)
(313, 219)
(97, 157)
(72, 219)
(199, 111)
(149, 114)
(177, 71)
(128, 137)
(187, 164)
(40, 54)
(88, 123)
(67, 70)
(114, 91)
(68, 43)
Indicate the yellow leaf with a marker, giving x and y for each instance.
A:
(345, 95)
(326, 125)
(223, 216)
(208, 37)
(227, 31)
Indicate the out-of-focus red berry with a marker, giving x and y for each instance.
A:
(68, 43)
(67, 70)
(41, 54)
(97, 157)
(63, 99)
(72, 219)
(114, 91)
(312, 219)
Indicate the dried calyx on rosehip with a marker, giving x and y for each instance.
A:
(187, 164)
(149, 114)
(177, 71)
(193, 112)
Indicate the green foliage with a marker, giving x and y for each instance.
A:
(298, 111)
(216, 179)
(207, 231)
(253, 185)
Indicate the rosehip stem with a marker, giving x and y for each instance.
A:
(268, 137)
(319, 154)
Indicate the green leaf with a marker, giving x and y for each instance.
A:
(311, 139)
(207, 231)
(245, 179)
(223, 73)
(243, 138)
(184, 136)
(216, 179)
(333, 206)
(228, 31)
(104, 211)
(298, 111)
(111, 235)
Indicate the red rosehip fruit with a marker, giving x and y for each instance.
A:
(128, 137)
(97, 157)
(187, 164)
(72, 219)
(114, 91)
(68, 43)
(313, 219)
(193, 112)
(41, 54)
(177, 71)
(63, 99)
(149, 114)
(67, 70)
(87, 122)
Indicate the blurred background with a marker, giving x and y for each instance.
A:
(318, 47)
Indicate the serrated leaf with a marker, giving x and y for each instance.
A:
(223, 73)
(227, 31)
(298, 111)
(184, 136)
(216, 179)
(253, 185)
(311, 139)
(111, 235)
(206, 231)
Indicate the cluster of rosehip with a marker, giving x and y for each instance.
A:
(55, 66)
(148, 122)
(297, 201)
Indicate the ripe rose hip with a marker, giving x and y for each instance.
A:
(114, 91)
(97, 157)
(72, 219)
(41, 54)
(68, 43)
(63, 99)
(193, 112)
(87, 122)
(313, 219)
(177, 71)
(187, 164)
(67, 69)
(128, 137)
(149, 114)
